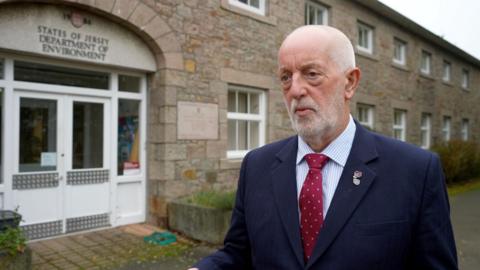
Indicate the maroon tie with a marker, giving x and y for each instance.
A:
(311, 203)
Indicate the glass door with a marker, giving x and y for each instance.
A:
(38, 171)
(87, 191)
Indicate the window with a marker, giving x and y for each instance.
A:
(426, 63)
(365, 38)
(129, 83)
(256, 6)
(447, 71)
(465, 79)
(399, 51)
(128, 137)
(315, 13)
(41, 73)
(246, 120)
(425, 130)
(399, 124)
(446, 129)
(465, 129)
(365, 115)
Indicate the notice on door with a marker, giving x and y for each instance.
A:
(48, 159)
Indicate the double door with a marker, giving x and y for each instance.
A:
(62, 165)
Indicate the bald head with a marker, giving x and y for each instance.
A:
(326, 39)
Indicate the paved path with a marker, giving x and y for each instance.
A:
(465, 211)
(122, 248)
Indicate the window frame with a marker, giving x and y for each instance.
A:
(465, 83)
(447, 128)
(249, 117)
(465, 129)
(426, 128)
(403, 51)
(317, 6)
(260, 10)
(369, 32)
(447, 76)
(369, 113)
(427, 56)
(402, 127)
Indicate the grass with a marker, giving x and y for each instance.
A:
(214, 199)
(462, 187)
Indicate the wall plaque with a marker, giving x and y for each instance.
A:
(197, 121)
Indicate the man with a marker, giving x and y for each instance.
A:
(364, 201)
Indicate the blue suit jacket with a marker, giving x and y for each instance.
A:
(396, 218)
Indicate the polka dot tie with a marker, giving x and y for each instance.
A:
(311, 203)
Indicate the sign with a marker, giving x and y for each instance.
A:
(197, 121)
(64, 32)
(48, 159)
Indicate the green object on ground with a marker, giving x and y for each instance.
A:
(160, 238)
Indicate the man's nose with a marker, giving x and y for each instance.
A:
(298, 87)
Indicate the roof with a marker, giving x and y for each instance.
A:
(417, 29)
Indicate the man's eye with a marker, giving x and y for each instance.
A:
(285, 78)
(312, 75)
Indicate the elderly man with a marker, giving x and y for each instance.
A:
(336, 196)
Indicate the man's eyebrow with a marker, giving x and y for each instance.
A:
(310, 65)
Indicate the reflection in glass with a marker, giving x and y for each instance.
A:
(38, 135)
(40, 73)
(87, 145)
(1, 135)
(129, 83)
(1, 69)
(128, 137)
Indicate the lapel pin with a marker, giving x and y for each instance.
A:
(356, 177)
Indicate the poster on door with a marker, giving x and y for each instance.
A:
(128, 143)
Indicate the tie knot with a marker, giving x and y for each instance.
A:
(316, 161)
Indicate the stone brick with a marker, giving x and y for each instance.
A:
(156, 27)
(168, 43)
(168, 114)
(123, 8)
(174, 61)
(171, 151)
(142, 15)
(161, 170)
(216, 149)
(196, 151)
(105, 5)
(190, 65)
(87, 2)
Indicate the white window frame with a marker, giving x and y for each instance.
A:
(369, 114)
(260, 117)
(426, 130)
(364, 29)
(318, 8)
(402, 127)
(447, 71)
(260, 10)
(401, 46)
(465, 78)
(447, 128)
(465, 129)
(426, 63)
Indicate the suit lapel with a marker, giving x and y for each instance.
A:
(284, 190)
(347, 195)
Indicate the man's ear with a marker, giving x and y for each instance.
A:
(353, 78)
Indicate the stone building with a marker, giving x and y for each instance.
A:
(112, 108)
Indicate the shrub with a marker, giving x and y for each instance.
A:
(215, 199)
(12, 241)
(460, 160)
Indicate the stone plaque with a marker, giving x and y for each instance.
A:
(197, 121)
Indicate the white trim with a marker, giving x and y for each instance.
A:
(402, 49)
(402, 126)
(447, 71)
(260, 10)
(447, 128)
(259, 117)
(426, 62)
(426, 129)
(368, 30)
(318, 8)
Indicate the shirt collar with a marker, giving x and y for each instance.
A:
(338, 150)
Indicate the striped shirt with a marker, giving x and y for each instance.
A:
(338, 151)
